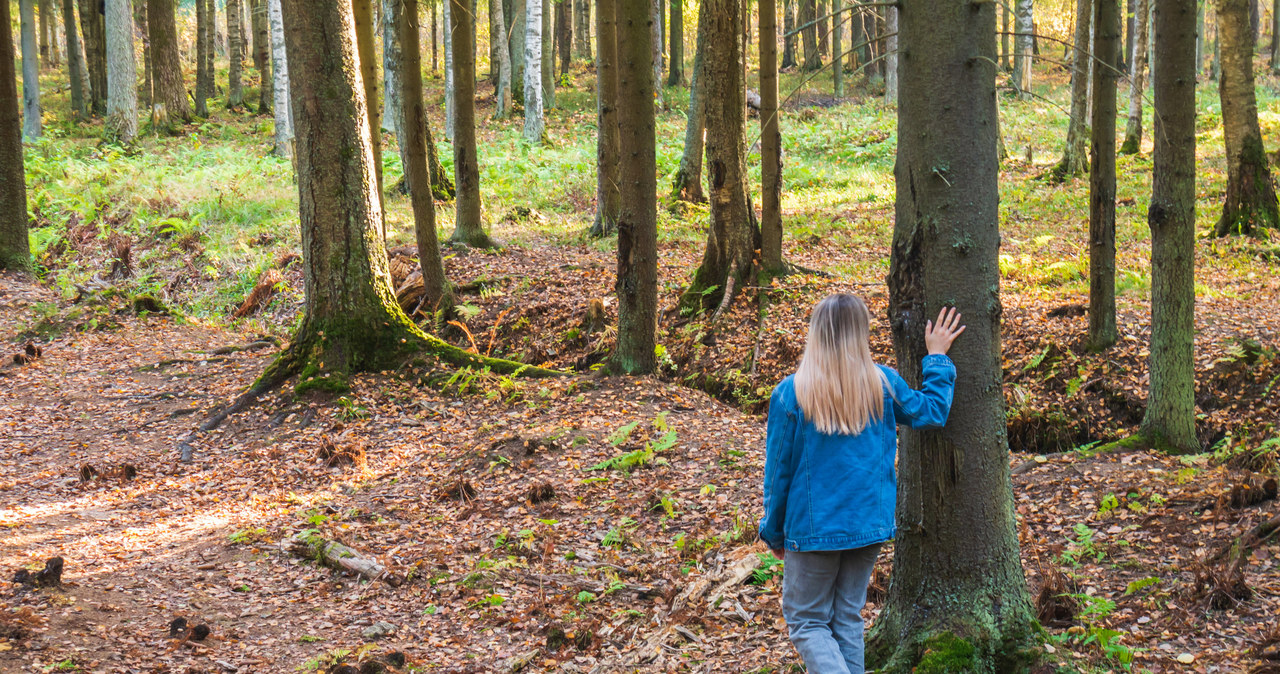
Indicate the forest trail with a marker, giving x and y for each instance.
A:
(578, 581)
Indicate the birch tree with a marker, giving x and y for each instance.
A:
(122, 72)
(1024, 45)
(31, 122)
(533, 122)
(280, 84)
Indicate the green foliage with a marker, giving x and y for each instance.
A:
(947, 653)
(770, 568)
(1082, 547)
(1140, 585)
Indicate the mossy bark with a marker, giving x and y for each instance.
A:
(608, 197)
(468, 227)
(368, 61)
(956, 566)
(1102, 177)
(15, 251)
(203, 78)
(1075, 156)
(770, 142)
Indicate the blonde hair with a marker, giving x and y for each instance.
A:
(838, 386)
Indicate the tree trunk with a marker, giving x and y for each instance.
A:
(147, 88)
(262, 55)
(955, 504)
(687, 185)
(820, 12)
(1137, 85)
(169, 91)
(727, 262)
(202, 57)
(502, 108)
(467, 228)
(122, 72)
(1024, 46)
(582, 28)
(1275, 37)
(1170, 419)
(1102, 178)
(533, 124)
(891, 55)
(516, 38)
(770, 142)
(675, 60)
(211, 46)
(75, 62)
(417, 171)
(392, 53)
(1006, 27)
(235, 88)
(608, 195)
(837, 61)
(450, 96)
(1129, 27)
(31, 121)
(1075, 157)
(564, 31)
(45, 40)
(788, 39)
(1250, 202)
(655, 59)
(15, 247)
(93, 30)
(280, 83)
(807, 18)
(368, 60)
(548, 57)
(637, 284)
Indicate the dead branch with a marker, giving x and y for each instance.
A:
(335, 555)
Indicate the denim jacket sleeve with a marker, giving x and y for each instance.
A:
(780, 458)
(928, 407)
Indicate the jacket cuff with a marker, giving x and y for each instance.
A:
(938, 359)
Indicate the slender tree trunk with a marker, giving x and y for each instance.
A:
(1200, 37)
(564, 31)
(1275, 37)
(450, 95)
(812, 59)
(75, 62)
(1102, 177)
(1129, 27)
(582, 28)
(533, 124)
(1075, 157)
(548, 57)
(435, 61)
(516, 38)
(262, 55)
(675, 67)
(202, 57)
(363, 12)
(891, 55)
(837, 62)
(235, 88)
(211, 46)
(1137, 85)
(280, 83)
(122, 72)
(503, 94)
(392, 53)
(169, 91)
(1024, 46)
(1250, 202)
(31, 121)
(45, 41)
(637, 284)
(468, 228)
(1006, 27)
(955, 504)
(655, 59)
(820, 12)
(146, 90)
(1170, 419)
(770, 142)
(789, 39)
(608, 195)
(15, 248)
(93, 30)
(687, 185)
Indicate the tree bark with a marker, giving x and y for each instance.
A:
(392, 53)
(147, 88)
(1137, 84)
(202, 73)
(809, 35)
(608, 196)
(235, 87)
(502, 108)
(280, 83)
(211, 46)
(1275, 37)
(363, 12)
(564, 32)
(687, 184)
(637, 284)
(93, 30)
(548, 58)
(122, 72)
(1250, 202)
(675, 66)
(1024, 46)
(262, 55)
(770, 142)
(1006, 26)
(1102, 177)
(48, 46)
(837, 62)
(75, 62)
(1170, 419)
(891, 55)
(789, 39)
(955, 504)
(467, 228)
(166, 66)
(824, 32)
(1075, 157)
(450, 96)
(655, 59)
(516, 37)
(582, 29)
(31, 121)
(533, 124)
(15, 250)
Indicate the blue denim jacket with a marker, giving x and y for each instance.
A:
(839, 492)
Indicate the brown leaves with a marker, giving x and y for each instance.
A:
(342, 452)
(262, 293)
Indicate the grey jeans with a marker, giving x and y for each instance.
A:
(822, 598)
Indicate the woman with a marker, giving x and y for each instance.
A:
(829, 482)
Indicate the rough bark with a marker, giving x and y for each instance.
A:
(548, 57)
(1024, 46)
(582, 28)
(392, 53)
(824, 32)
(280, 83)
(467, 228)
(564, 34)
(502, 109)
(122, 72)
(235, 87)
(891, 55)
(837, 62)
(1275, 37)
(147, 86)
(1250, 202)
(1170, 419)
(516, 43)
(608, 196)
(770, 142)
(1006, 26)
(675, 65)
(211, 48)
(15, 251)
(450, 96)
(75, 62)
(809, 35)
(43, 39)
(31, 122)
(637, 284)
(363, 11)
(262, 55)
(93, 30)
(202, 73)
(687, 184)
(533, 122)
(1075, 156)
(789, 38)
(1102, 177)
(169, 89)
(1137, 83)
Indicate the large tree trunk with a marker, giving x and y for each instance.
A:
(1170, 419)
(1250, 202)
(417, 170)
(363, 11)
(167, 64)
(1102, 177)
(1006, 27)
(15, 251)
(516, 44)
(955, 504)
(467, 228)
(533, 124)
(262, 55)
(564, 34)
(75, 62)
(1024, 46)
(280, 83)
(235, 87)
(1075, 157)
(820, 11)
(789, 38)
(502, 109)
(548, 57)
(93, 30)
(770, 142)
(608, 195)
(147, 88)
(675, 67)
(203, 80)
(809, 33)
(891, 55)
(48, 43)
(728, 260)
(687, 184)
(582, 28)
(637, 284)
(31, 122)
(122, 72)
(1137, 85)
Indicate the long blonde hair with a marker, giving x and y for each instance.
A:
(838, 386)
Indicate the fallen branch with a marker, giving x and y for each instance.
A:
(1255, 537)
(335, 555)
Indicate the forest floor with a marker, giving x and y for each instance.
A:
(576, 523)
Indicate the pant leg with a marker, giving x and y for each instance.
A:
(850, 596)
(808, 595)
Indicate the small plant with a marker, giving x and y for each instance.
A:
(770, 568)
(1082, 547)
(1108, 504)
(1140, 585)
(351, 410)
(585, 597)
(622, 434)
(245, 536)
(617, 536)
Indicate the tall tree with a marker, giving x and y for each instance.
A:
(235, 51)
(608, 194)
(122, 72)
(1275, 37)
(891, 55)
(809, 32)
(687, 184)
(1250, 202)
(48, 44)
(824, 32)
(211, 46)
(363, 11)
(655, 59)
(1024, 46)
(502, 95)
(675, 67)
(533, 123)
(468, 228)
(637, 284)
(548, 57)
(770, 141)
(1075, 157)
(582, 28)
(93, 30)
(450, 96)
(1102, 177)
(788, 34)
(516, 37)
(279, 83)
(1137, 86)
(564, 34)
(1170, 419)
(75, 62)
(1006, 27)
(31, 122)
(262, 54)
(203, 80)
(837, 62)
(15, 250)
(955, 503)
(170, 91)
(145, 98)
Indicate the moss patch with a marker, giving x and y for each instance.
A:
(947, 653)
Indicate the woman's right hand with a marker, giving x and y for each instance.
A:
(939, 336)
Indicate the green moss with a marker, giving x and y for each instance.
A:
(947, 654)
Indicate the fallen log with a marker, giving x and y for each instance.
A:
(335, 555)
